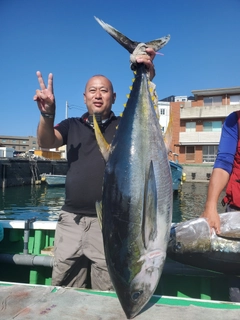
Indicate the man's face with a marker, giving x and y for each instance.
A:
(99, 96)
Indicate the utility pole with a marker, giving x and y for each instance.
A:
(66, 111)
(66, 117)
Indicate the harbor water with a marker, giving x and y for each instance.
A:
(44, 203)
(27, 202)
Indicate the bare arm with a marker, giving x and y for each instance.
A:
(218, 182)
(47, 136)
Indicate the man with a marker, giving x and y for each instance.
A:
(226, 172)
(78, 247)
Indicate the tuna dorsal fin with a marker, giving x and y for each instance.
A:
(129, 44)
(149, 224)
(98, 206)
(154, 97)
(169, 133)
(102, 143)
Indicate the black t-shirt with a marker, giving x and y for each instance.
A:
(86, 164)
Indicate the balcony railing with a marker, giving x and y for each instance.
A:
(209, 157)
(199, 138)
(187, 112)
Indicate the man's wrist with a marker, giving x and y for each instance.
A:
(48, 115)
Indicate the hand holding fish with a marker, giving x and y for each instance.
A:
(45, 97)
(217, 183)
(147, 60)
(212, 217)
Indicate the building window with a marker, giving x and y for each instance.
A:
(24, 142)
(209, 153)
(212, 101)
(3, 140)
(162, 111)
(14, 141)
(34, 142)
(190, 153)
(235, 99)
(190, 126)
(24, 147)
(213, 126)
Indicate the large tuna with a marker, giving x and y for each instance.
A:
(137, 193)
(193, 243)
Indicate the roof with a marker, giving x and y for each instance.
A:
(217, 91)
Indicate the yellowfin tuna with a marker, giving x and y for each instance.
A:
(136, 209)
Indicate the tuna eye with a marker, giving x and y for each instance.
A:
(136, 295)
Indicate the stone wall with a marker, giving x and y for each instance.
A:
(198, 172)
(18, 172)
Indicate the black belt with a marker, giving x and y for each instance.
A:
(234, 207)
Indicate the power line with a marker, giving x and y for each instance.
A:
(73, 106)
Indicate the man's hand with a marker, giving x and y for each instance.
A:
(217, 183)
(148, 61)
(45, 97)
(213, 219)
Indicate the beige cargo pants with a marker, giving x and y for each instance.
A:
(78, 249)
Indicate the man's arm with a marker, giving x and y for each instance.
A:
(47, 136)
(222, 169)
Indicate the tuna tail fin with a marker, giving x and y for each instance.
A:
(102, 143)
(129, 44)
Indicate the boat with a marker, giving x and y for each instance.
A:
(178, 176)
(26, 257)
(54, 180)
(176, 169)
(20, 301)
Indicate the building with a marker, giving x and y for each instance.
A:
(197, 123)
(164, 113)
(20, 144)
(164, 109)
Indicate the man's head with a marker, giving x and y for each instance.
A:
(99, 96)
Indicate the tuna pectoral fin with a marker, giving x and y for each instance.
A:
(231, 236)
(102, 143)
(149, 223)
(99, 212)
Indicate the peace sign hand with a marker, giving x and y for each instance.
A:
(45, 97)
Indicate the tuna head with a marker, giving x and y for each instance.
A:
(135, 287)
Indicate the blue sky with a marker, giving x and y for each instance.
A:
(62, 37)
